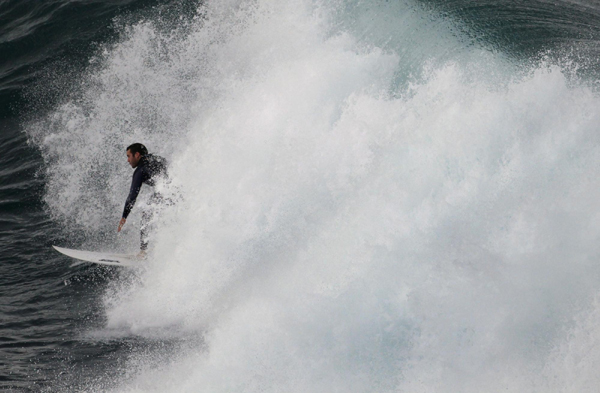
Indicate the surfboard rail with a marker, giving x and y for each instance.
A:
(101, 258)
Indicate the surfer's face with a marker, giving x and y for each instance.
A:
(133, 159)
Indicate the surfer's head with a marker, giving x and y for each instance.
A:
(134, 153)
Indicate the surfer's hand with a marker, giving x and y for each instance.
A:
(121, 223)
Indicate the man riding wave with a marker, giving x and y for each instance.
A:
(149, 169)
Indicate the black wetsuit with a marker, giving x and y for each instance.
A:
(149, 169)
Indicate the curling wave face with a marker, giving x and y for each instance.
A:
(371, 203)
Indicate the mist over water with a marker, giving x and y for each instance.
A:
(371, 202)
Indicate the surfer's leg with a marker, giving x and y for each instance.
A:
(155, 205)
(145, 229)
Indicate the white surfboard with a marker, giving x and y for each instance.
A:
(102, 258)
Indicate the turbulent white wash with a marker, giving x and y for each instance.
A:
(346, 225)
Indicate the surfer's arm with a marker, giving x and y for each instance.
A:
(136, 185)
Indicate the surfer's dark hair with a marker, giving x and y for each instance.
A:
(137, 148)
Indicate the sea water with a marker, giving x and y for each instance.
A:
(372, 200)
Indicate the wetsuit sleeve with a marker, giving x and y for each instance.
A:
(136, 185)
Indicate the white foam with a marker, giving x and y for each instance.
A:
(337, 234)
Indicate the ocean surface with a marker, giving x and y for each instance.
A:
(373, 196)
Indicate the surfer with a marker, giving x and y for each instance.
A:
(149, 168)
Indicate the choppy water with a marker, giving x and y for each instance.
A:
(377, 196)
